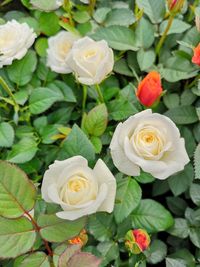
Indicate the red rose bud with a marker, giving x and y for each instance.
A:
(149, 89)
(79, 240)
(175, 6)
(136, 241)
(196, 56)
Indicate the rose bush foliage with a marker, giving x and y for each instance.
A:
(99, 133)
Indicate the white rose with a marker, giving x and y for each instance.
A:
(15, 39)
(46, 5)
(78, 189)
(85, 1)
(91, 61)
(58, 52)
(151, 142)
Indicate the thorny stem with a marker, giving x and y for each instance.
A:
(98, 89)
(162, 39)
(37, 228)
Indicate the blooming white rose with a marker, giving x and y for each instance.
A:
(91, 61)
(46, 5)
(85, 1)
(15, 39)
(78, 189)
(151, 142)
(58, 52)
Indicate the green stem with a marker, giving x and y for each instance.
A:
(98, 89)
(9, 92)
(162, 39)
(84, 97)
(68, 8)
(92, 6)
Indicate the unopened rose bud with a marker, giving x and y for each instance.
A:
(175, 6)
(196, 55)
(79, 240)
(150, 90)
(197, 18)
(136, 241)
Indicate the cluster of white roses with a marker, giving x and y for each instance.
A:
(148, 141)
(89, 60)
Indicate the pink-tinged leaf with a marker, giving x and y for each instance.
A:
(83, 259)
(67, 254)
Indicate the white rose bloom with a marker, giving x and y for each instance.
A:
(78, 189)
(91, 61)
(85, 1)
(151, 142)
(58, 52)
(15, 39)
(46, 5)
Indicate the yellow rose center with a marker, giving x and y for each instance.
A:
(77, 183)
(148, 142)
(78, 190)
(5, 39)
(64, 49)
(89, 54)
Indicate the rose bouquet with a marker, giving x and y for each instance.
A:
(99, 133)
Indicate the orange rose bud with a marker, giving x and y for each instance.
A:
(150, 89)
(79, 240)
(196, 56)
(175, 6)
(136, 241)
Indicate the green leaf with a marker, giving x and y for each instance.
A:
(43, 98)
(122, 67)
(65, 89)
(41, 46)
(96, 120)
(77, 143)
(195, 193)
(101, 226)
(54, 229)
(20, 72)
(129, 195)
(173, 75)
(101, 13)
(118, 37)
(23, 151)
(37, 259)
(152, 216)
(83, 259)
(180, 182)
(177, 205)
(197, 162)
(96, 141)
(154, 9)
(182, 114)
(178, 26)
(17, 193)
(16, 237)
(145, 59)
(47, 19)
(171, 100)
(187, 97)
(145, 33)
(180, 228)
(81, 16)
(157, 252)
(6, 134)
(195, 236)
(121, 109)
(109, 251)
(182, 256)
(122, 17)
